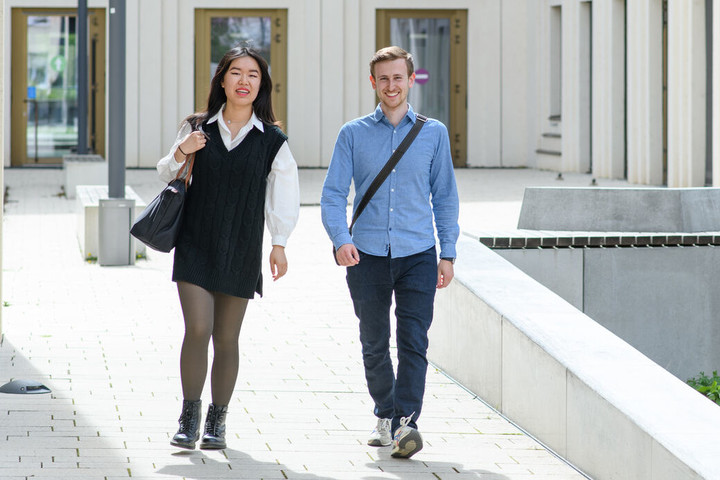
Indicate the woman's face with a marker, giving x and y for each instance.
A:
(242, 81)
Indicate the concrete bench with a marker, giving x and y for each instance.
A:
(686, 210)
(83, 170)
(88, 204)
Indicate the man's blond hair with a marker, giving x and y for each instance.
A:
(389, 54)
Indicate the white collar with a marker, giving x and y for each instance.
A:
(254, 120)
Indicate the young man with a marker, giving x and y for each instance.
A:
(392, 246)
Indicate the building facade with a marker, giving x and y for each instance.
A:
(618, 88)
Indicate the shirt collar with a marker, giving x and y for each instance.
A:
(379, 115)
(254, 120)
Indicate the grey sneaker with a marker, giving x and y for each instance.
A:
(407, 440)
(380, 437)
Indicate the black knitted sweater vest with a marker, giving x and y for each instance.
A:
(219, 247)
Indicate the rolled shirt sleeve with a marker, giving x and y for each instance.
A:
(168, 167)
(282, 198)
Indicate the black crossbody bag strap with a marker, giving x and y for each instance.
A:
(392, 161)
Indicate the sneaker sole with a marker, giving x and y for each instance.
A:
(408, 446)
(378, 443)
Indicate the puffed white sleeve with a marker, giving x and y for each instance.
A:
(282, 198)
(168, 167)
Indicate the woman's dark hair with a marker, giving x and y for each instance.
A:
(262, 106)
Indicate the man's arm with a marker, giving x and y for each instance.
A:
(336, 188)
(445, 202)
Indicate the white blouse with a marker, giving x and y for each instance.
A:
(282, 198)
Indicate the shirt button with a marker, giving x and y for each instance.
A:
(392, 189)
(391, 209)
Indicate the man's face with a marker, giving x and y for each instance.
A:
(391, 82)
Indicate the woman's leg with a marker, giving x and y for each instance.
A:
(229, 313)
(197, 306)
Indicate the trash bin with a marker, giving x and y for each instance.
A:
(115, 246)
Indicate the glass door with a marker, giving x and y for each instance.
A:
(217, 31)
(437, 41)
(44, 85)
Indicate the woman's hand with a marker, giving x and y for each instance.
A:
(192, 142)
(278, 262)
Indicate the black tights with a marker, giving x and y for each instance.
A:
(210, 314)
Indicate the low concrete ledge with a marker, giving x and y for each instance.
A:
(621, 209)
(574, 385)
(526, 239)
(88, 228)
(88, 169)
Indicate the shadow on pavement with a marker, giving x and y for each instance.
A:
(198, 465)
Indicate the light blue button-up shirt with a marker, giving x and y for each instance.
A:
(399, 218)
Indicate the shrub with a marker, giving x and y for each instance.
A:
(708, 386)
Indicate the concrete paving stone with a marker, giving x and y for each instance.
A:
(547, 469)
(300, 408)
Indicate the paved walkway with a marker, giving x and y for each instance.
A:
(106, 341)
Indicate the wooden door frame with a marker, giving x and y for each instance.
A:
(458, 68)
(18, 91)
(278, 54)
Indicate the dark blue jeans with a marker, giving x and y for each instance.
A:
(372, 283)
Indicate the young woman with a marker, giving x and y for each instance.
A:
(243, 176)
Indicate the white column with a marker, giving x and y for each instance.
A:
(516, 64)
(143, 86)
(716, 96)
(575, 86)
(686, 93)
(608, 80)
(644, 92)
(332, 47)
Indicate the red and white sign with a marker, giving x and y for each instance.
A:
(422, 76)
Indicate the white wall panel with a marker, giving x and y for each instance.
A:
(686, 93)
(608, 80)
(644, 92)
(516, 65)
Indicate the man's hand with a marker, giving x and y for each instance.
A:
(278, 262)
(347, 255)
(446, 273)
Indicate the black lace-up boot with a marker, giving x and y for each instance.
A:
(189, 431)
(214, 437)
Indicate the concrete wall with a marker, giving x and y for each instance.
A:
(661, 301)
(567, 380)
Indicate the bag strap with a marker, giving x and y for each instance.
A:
(187, 167)
(392, 161)
(189, 161)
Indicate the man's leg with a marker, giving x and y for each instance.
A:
(371, 292)
(415, 285)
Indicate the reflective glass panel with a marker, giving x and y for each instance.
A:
(428, 39)
(52, 86)
(228, 32)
